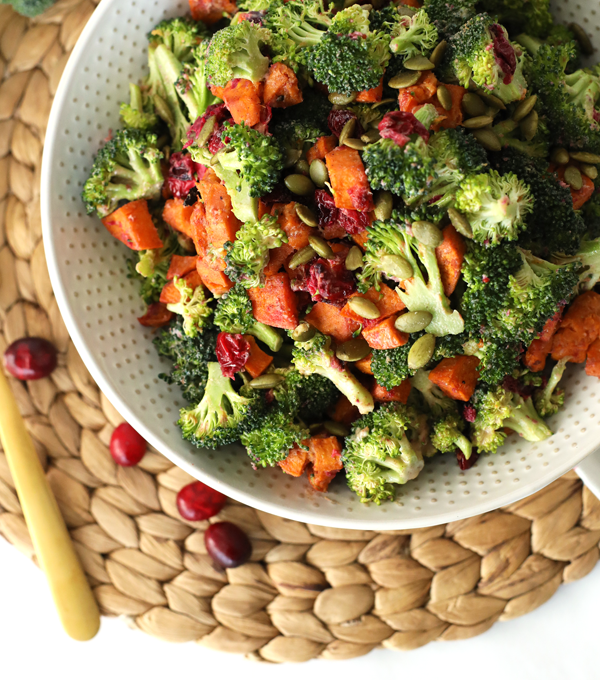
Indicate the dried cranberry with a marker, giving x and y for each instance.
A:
(463, 462)
(254, 17)
(30, 358)
(127, 447)
(327, 280)
(232, 353)
(339, 117)
(196, 502)
(156, 315)
(469, 413)
(279, 194)
(227, 544)
(328, 213)
(182, 174)
(399, 126)
(219, 111)
(504, 53)
(596, 115)
(518, 387)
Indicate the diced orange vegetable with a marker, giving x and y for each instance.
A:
(258, 361)
(221, 224)
(211, 11)
(275, 303)
(343, 411)
(384, 335)
(321, 148)
(364, 365)
(450, 255)
(454, 117)
(156, 315)
(277, 258)
(325, 453)
(295, 463)
(388, 302)
(295, 229)
(178, 216)
(582, 196)
(399, 393)
(132, 225)
(348, 179)
(329, 320)
(216, 281)
(579, 327)
(281, 87)
(243, 98)
(361, 239)
(170, 294)
(181, 265)
(410, 98)
(411, 3)
(319, 481)
(372, 95)
(456, 376)
(198, 222)
(592, 365)
(540, 348)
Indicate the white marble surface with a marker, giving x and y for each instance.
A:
(559, 641)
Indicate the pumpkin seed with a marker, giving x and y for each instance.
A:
(460, 222)
(396, 267)
(364, 307)
(438, 53)
(299, 185)
(525, 108)
(381, 103)
(302, 257)
(560, 156)
(371, 136)
(342, 99)
(302, 167)
(163, 110)
(588, 170)
(473, 104)
(320, 246)
(477, 122)
(267, 381)
(419, 63)
(353, 143)
(353, 350)
(421, 352)
(427, 233)
(583, 39)
(405, 79)
(303, 332)
(585, 157)
(488, 139)
(445, 98)
(384, 202)
(292, 156)
(413, 322)
(206, 132)
(347, 130)
(529, 125)
(315, 427)
(318, 173)
(354, 259)
(573, 178)
(492, 100)
(336, 429)
(306, 215)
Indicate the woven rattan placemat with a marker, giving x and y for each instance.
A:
(309, 591)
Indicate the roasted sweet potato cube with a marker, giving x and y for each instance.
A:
(456, 376)
(348, 179)
(295, 463)
(450, 255)
(399, 393)
(170, 294)
(281, 87)
(384, 335)
(132, 225)
(258, 361)
(275, 303)
(329, 320)
(178, 216)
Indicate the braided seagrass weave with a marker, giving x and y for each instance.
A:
(308, 591)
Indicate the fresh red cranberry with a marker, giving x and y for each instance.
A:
(232, 353)
(339, 117)
(196, 502)
(30, 358)
(504, 53)
(227, 544)
(127, 447)
(399, 126)
(465, 464)
(325, 280)
(469, 413)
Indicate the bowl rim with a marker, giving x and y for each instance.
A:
(104, 383)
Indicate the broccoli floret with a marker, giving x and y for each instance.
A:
(390, 366)
(30, 8)
(234, 52)
(448, 16)
(234, 315)
(447, 434)
(316, 356)
(497, 408)
(223, 415)
(179, 35)
(591, 215)
(531, 16)
(495, 205)
(192, 306)
(498, 358)
(248, 255)
(192, 86)
(304, 123)
(378, 453)
(473, 55)
(436, 402)
(190, 357)
(510, 134)
(311, 394)
(138, 114)
(126, 168)
(550, 398)
(304, 23)
(589, 257)
(413, 35)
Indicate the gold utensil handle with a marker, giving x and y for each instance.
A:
(70, 589)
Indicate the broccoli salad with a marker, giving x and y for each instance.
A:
(365, 235)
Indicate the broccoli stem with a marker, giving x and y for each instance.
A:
(526, 421)
(349, 386)
(464, 444)
(266, 334)
(531, 44)
(135, 97)
(169, 69)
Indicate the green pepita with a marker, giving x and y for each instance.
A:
(525, 108)
(302, 257)
(413, 322)
(206, 132)
(405, 79)
(353, 143)
(302, 167)
(318, 173)
(438, 53)
(384, 203)
(473, 104)
(267, 381)
(427, 233)
(529, 125)
(353, 350)
(292, 156)
(477, 122)
(492, 100)
(371, 136)
(419, 63)
(445, 98)
(573, 178)
(585, 157)
(303, 332)
(347, 130)
(583, 39)
(299, 185)
(588, 170)
(383, 102)
(336, 429)
(354, 259)
(320, 246)
(488, 139)
(560, 156)
(421, 352)
(460, 222)
(397, 267)
(306, 215)
(342, 99)
(364, 307)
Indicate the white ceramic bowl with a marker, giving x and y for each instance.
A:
(100, 306)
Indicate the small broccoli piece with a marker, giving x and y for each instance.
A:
(589, 257)
(192, 306)
(271, 442)
(558, 36)
(304, 23)
(248, 255)
(390, 366)
(30, 8)
(311, 395)
(234, 315)
(190, 357)
(498, 408)
(436, 402)
(304, 123)
(447, 434)
(192, 86)
(223, 415)
(179, 35)
(234, 52)
(510, 134)
(531, 16)
(413, 35)
(316, 356)
(550, 398)
(591, 215)
(498, 358)
(379, 454)
(495, 205)
(138, 114)
(448, 16)
(126, 168)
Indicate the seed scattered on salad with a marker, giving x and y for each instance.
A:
(364, 237)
